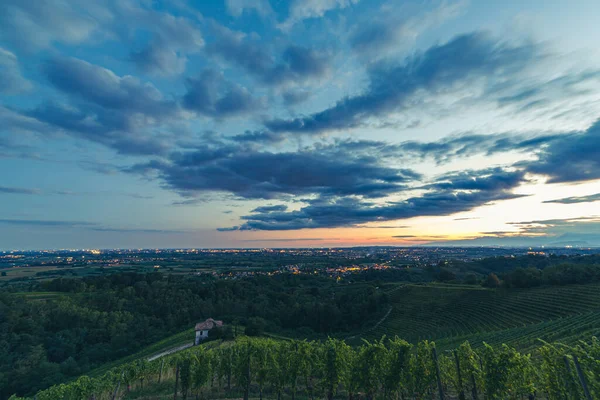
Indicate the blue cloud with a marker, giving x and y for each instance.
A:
(576, 199)
(296, 64)
(441, 68)
(14, 190)
(573, 157)
(332, 212)
(210, 94)
(249, 173)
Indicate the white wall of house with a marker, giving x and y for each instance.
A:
(201, 335)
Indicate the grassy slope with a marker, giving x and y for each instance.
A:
(178, 339)
(451, 314)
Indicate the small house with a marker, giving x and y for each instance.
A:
(202, 329)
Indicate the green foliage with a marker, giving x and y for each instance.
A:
(491, 281)
(86, 323)
(384, 369)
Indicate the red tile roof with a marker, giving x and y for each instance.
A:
(208, 324)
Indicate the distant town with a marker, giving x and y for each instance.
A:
(22, 266)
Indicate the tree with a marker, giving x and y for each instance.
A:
(491, 281)
(445, 275)
(471, 279)
(255, 326)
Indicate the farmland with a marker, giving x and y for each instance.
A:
(451, 314)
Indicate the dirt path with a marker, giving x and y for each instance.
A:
(170, 351)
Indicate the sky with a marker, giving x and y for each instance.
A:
(301, 123)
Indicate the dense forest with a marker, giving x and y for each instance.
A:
(99, 319)
(384, 369)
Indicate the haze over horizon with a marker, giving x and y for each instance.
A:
(308, 123)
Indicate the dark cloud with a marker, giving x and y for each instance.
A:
(265, 137)
(14, 190)
(120, 112)
(296, 64)
(576, 199)
(491, 179)
(442, 151)
(442, 68)
(294, 97)
(211, 95)
(266, 209)
(102, 87)
(233, 228)
(572, 158)
(250, 173)
(37, 222)
(335, 211)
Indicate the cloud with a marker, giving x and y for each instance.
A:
(229, 229)
(103, 88)
(303, 9)
(290, 240)
(394, 87)
(572, 158)
(337, 211)
(37, 222)
(212, 95)
(14, 190)
(11, 79)
(490, 179)
(157, 58)
(582, 231)
(296, 64)
(32, 25)
(138, 230)
(392, 27)
(173, 38)
(576, 199)
(266, 209)
(442, 151)
(249, 173)
(120, 112)
(294, 97)
(236, 8)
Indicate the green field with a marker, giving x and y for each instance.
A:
(451, 314)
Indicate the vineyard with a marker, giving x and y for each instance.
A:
(451, 314)
(387, 369)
